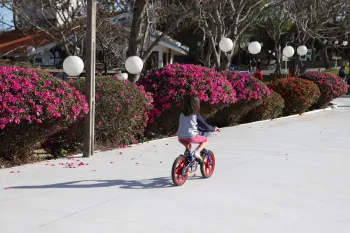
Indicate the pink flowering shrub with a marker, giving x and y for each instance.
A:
(121, 115)
(249, 92)
(298, 94)
(330, 85)
(171, 83)
(271, 107)
(33, 105)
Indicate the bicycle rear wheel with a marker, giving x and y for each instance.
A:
(176, 172)
(208, 165)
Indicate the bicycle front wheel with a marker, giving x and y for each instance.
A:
(208, 164)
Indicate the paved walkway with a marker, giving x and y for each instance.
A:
(284, 176)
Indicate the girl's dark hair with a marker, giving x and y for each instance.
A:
(191, 105)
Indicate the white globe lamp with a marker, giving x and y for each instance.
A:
(226, 45)
(288, 51)
(302, 50)
(30, 50)
(336, 42)
(345, 43)
(123, 76)
(134, 65)
(73, 66)
(254, 47)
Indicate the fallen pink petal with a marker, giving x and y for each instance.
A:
(12, 172)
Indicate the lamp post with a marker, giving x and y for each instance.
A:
(288, 52)
(89, 121)
(74, 66)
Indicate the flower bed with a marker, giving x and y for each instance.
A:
(330, 85)
(298, 94)
(33, 105)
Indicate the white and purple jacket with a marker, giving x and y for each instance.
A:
(188, 127)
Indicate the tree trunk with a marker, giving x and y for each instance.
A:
(327, 64)
(136, 27)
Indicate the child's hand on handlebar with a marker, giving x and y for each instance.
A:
(217, 129)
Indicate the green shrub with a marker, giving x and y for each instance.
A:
(298, 94)
(271, 107)
(121, 110)
(330, 85)
(249, 93)
(33, 105)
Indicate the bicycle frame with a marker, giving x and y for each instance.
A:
(192, 162)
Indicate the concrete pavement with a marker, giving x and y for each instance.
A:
(284, 176)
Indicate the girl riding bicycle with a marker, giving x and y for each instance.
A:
(190, 120)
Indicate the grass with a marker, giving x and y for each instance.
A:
(333, 71)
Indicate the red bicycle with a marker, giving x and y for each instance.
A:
(186, 164)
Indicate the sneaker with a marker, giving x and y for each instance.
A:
(197, 155)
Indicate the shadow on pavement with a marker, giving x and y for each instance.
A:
(155, 183)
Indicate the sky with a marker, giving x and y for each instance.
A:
(5, 16)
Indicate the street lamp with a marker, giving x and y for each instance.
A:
(134, 65)
(73, 66)
(288, 52)
(254, 47)
(345, 43)
(30, 50)
(226, 45)
(123, 76)
(302, 50)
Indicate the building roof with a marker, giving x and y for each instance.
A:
(125, 20)
(17, 41)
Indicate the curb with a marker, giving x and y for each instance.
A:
(287, 117)
(330, 108)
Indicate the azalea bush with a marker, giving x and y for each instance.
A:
(121, 115)
(171, 83)
(271, 107)
(33, 105)
(249, 93)
(330, 85)
(298, 94)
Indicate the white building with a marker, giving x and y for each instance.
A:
(44, 14)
